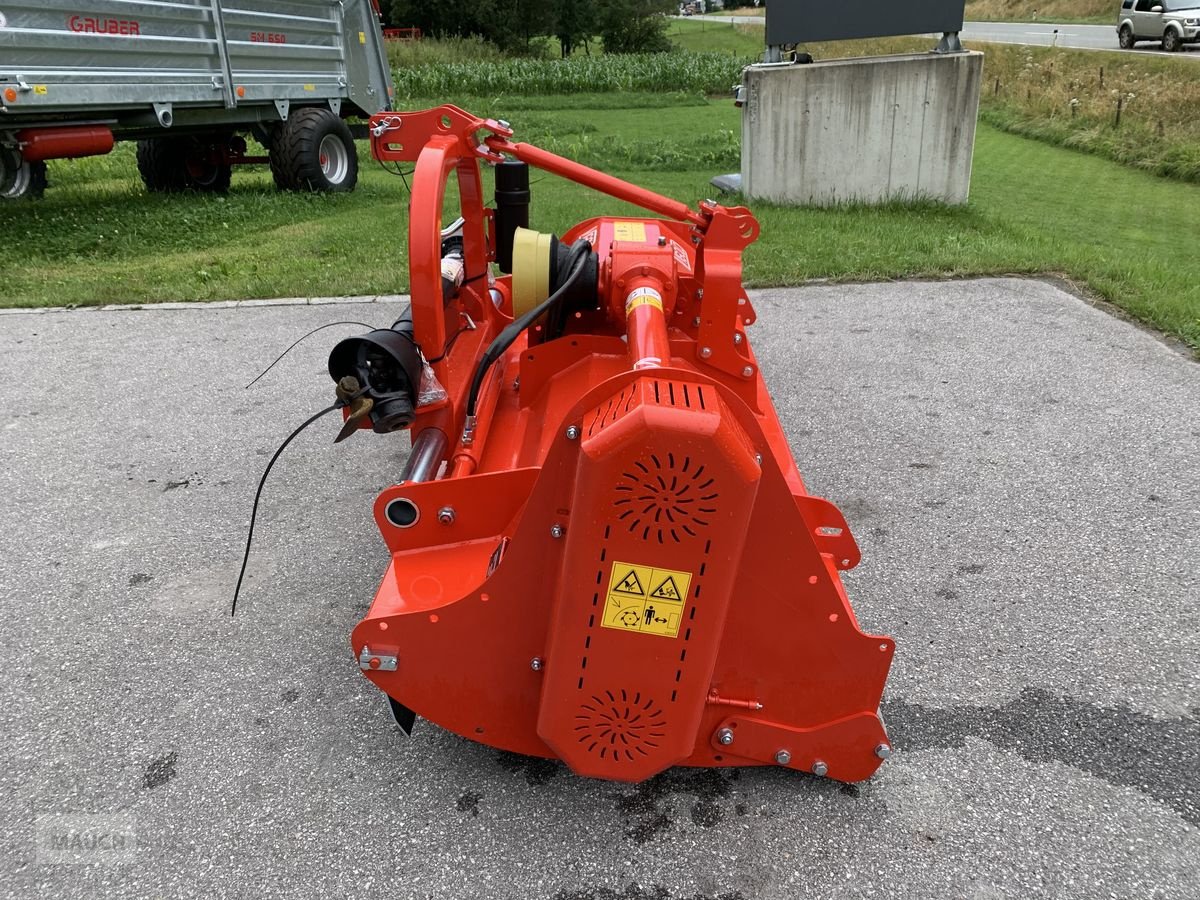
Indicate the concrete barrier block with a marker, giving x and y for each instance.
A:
(867, 130)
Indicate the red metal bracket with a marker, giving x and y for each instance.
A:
(400, 137)
(847, 750)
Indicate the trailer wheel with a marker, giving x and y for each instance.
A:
(314, 151)
(29, 182)
(172, 165)
(10, 165)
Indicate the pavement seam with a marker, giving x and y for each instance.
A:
(1054, 279)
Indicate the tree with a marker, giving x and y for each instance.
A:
(574, 23)
(635, 26)
(510, 24)
(440, 17)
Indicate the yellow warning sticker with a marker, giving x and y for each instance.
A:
(630, 580)
(643, 297)
(645, 599)
(629, 231)
(362, 37)
(41, 89)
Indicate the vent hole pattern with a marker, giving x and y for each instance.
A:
(620, 725)
(611, 410)
(680, 394)
(666, 498)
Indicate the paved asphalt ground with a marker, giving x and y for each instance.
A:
(1021, 469)
(1078, 37)
(1037, 34)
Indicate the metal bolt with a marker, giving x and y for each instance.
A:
(725, 737)
(705, 352)
(699, 293)
(819, 768)
(747, 372)
(737, 337)
(696, 321)
(557, 531)
(446, 515)
(758, 458)
(783, 757)
(883, 751)
(572, 432)
(662, 241)
(536, 664)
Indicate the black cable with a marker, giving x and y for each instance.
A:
(577, 262)
(258, 494)
(397, 171)
(449, 344)
(293, 347)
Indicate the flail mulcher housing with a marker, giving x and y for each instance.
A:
(602, 550)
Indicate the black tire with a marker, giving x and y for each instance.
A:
(175, 164)
(29, 183)
(10, 167)
(314, 151)
(1125, 38)
(1172, 42)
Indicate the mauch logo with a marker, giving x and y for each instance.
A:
(88, 25)
(85, 840)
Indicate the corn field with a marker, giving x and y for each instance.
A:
(707, 73)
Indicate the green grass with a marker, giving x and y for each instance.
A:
(1060, 96)
(711, 35)
(1085, 12)
(98, 238)
(1064, 97)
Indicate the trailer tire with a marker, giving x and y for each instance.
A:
(314, 151)
(172, 165)
(10, 167)
(29, 182)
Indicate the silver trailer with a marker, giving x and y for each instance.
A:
(188, 79)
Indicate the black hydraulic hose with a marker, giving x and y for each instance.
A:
(577, 262)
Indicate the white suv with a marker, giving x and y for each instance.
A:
(1174, 22)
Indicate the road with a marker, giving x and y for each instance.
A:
(1020, 469)
(1037, 34)
(1079, 37)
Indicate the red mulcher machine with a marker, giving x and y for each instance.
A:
(601, 548)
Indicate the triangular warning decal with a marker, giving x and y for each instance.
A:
(666, 590)
(630, 585)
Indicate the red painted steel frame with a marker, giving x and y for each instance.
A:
(642, 442)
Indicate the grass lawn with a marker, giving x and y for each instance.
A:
(98, 238)
(713, 34)
(1065, 97)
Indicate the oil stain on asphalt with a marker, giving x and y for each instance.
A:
(160, 770)
(1119, 745)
